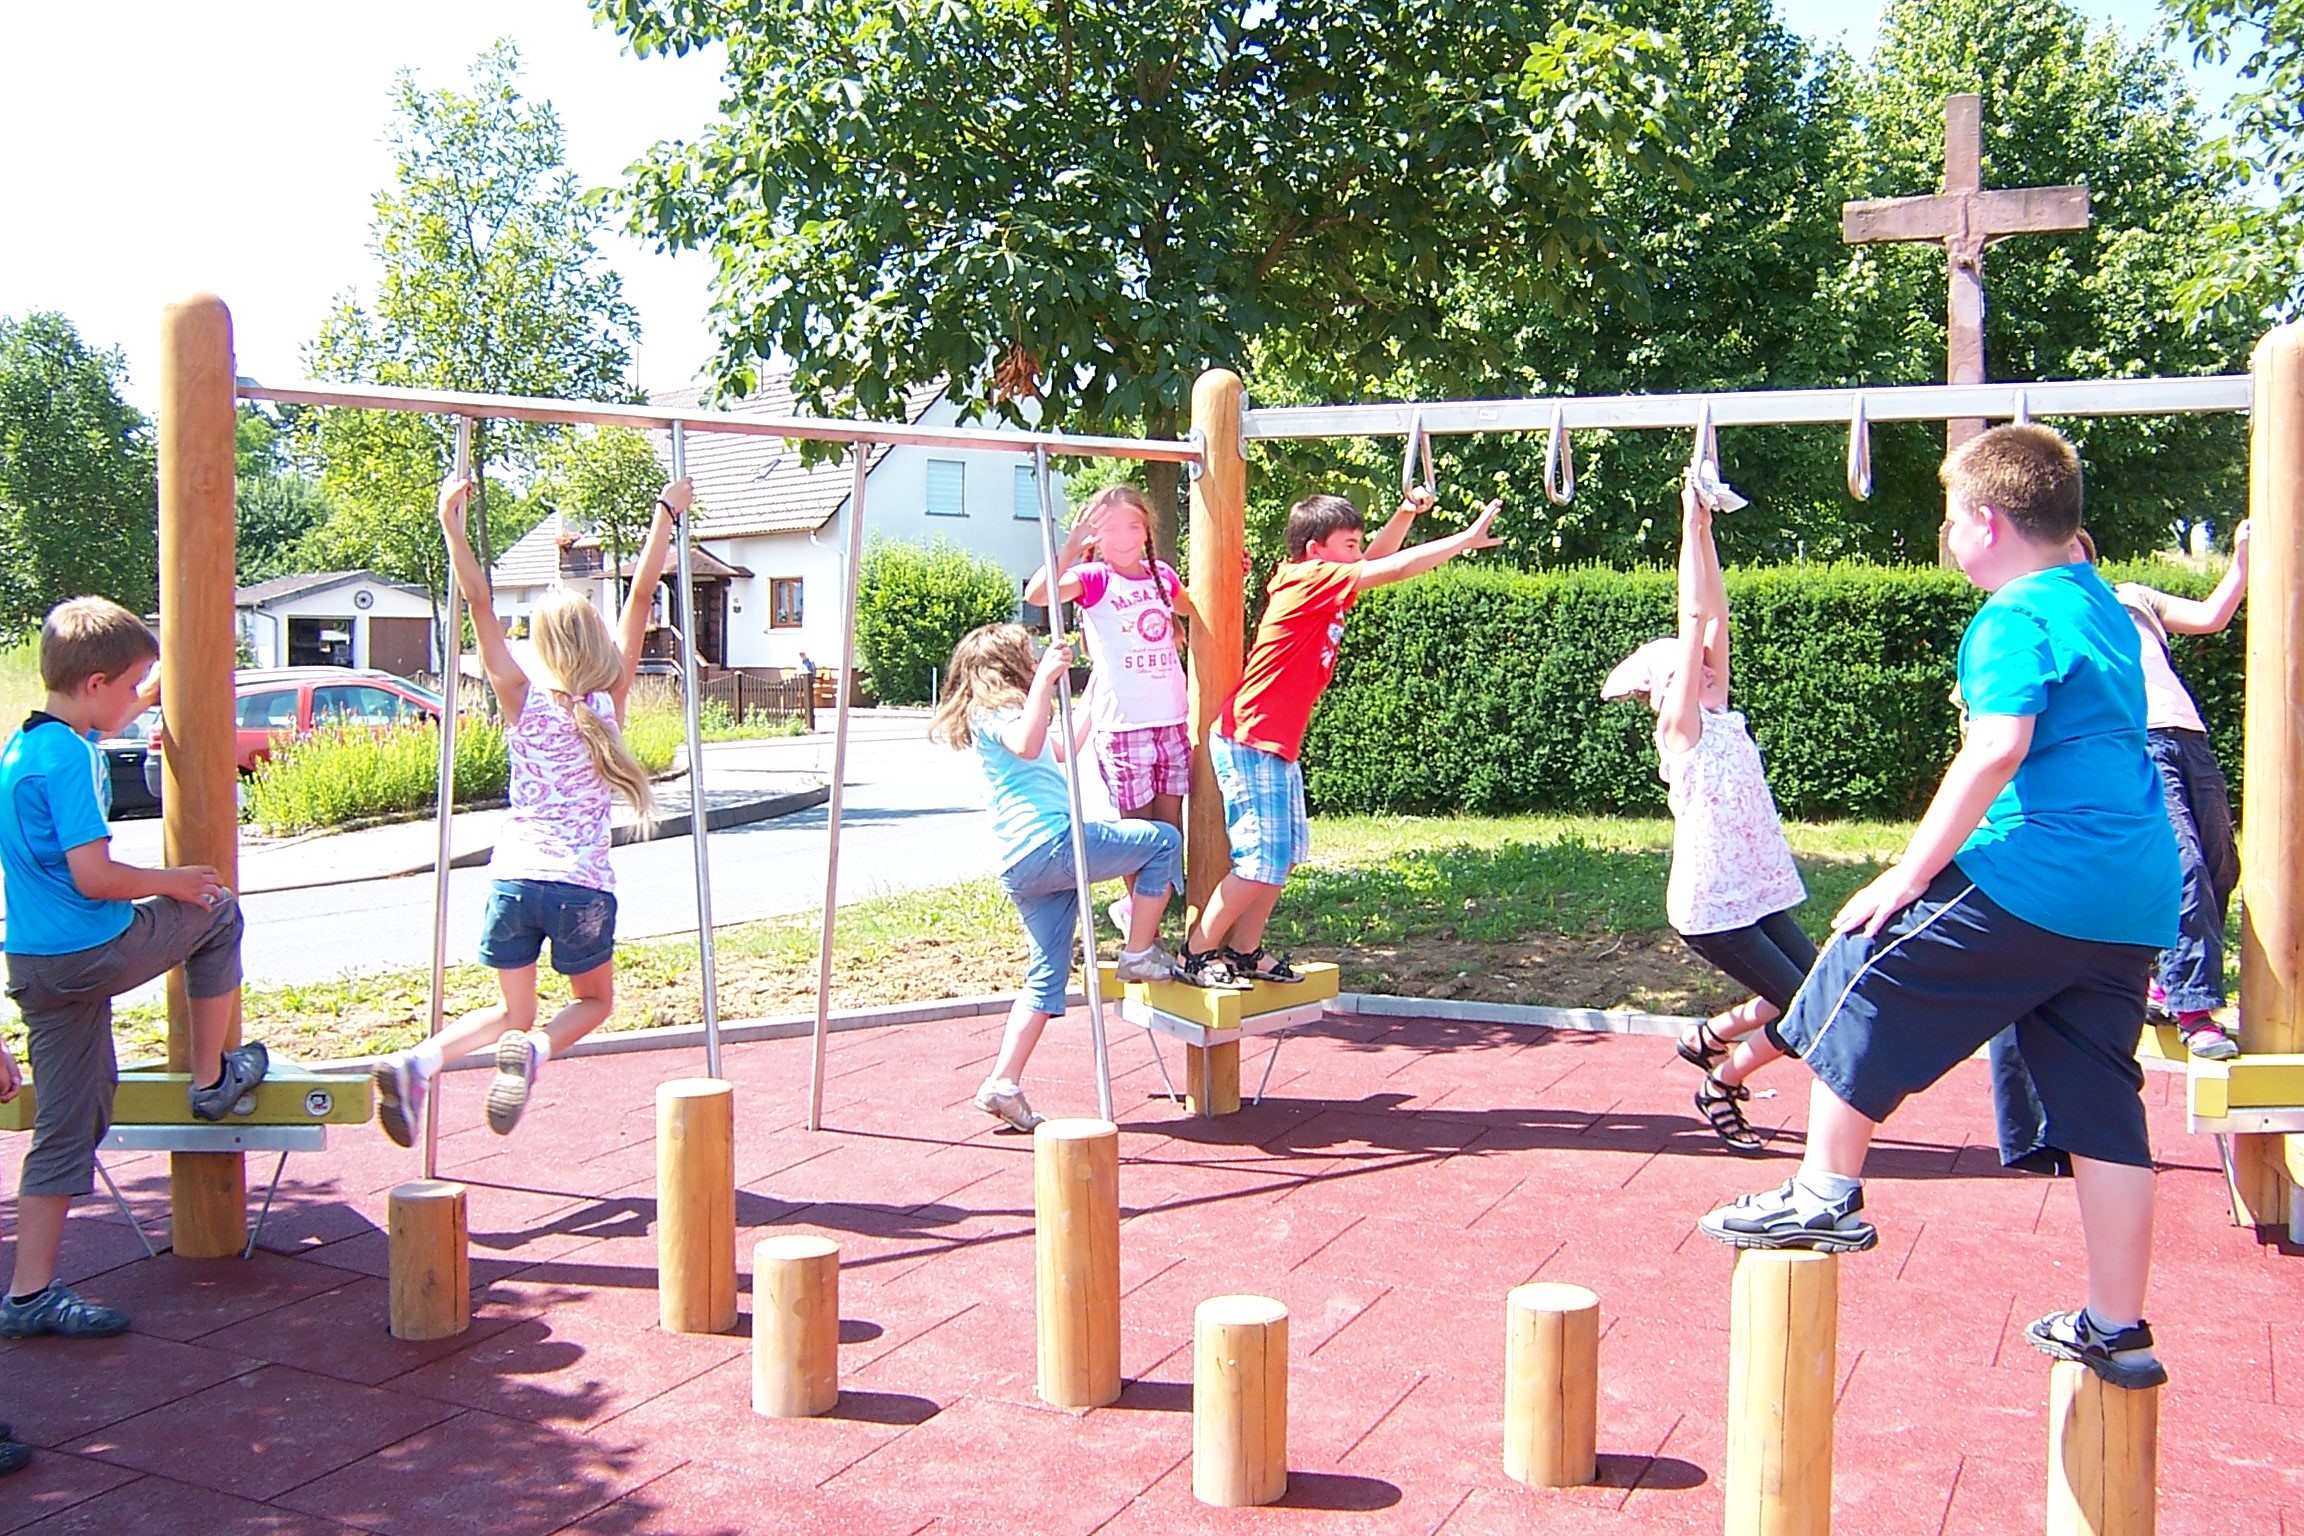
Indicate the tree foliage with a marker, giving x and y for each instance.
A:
(604, 481)
(2261, 248)
(276, 505)
(78, 496)
(913, 603)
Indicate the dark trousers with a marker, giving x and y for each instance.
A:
(1771, 956)
(2200, 810)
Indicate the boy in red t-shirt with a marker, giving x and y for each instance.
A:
(1256, 738)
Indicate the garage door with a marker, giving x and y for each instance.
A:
(402, 647)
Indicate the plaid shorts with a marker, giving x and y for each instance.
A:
(1156, 760)
(1263, 810)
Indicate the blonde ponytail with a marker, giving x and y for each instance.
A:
(582, 659)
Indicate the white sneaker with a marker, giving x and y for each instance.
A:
(1007, 1106)
(1152, 965)
(515, 1075)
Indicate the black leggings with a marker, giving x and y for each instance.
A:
(1771, 956)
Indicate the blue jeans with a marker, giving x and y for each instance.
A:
(522, 914)
(1041, 883)
(2200, 810)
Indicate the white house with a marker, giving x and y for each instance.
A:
(769, 533)
(340, 619)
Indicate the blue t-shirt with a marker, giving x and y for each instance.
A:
(2079, 842)
(58, 794)
(1030, 807)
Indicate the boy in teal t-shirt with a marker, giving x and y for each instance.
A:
(2032, 898)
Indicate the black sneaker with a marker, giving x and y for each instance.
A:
(56, 1310)
(2123, 1358)
(1773, 1219)
(243, 1070)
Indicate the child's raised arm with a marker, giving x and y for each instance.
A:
(1394, 533)
(632, 625)
(1679, 707)
(1430, 555)
(1028, 732)
(1076, 546)
(504, 674)
(2211, 614)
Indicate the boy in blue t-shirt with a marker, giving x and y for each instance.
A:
(82, 929)
(2035, 893)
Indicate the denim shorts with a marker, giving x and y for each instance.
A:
(1147, 854)
(522, 914)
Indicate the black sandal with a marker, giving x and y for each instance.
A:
(1708, 1051)
(1256, 965)
(1722, 1104)
(1207, 969)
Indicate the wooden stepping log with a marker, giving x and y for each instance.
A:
(1783, 1348)
(430, 1258)
(2103, 1455)
(795, 1326)
(696, 1205)
(1076, 1241)
(1239, 1401)
(1551, 1385)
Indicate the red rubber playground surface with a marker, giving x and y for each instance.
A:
(1401, 1177)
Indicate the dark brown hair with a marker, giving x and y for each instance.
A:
(1316, 518)
(2029, 474)
(86, 637)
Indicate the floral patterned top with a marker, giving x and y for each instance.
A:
(1731, 866)
(558, 829)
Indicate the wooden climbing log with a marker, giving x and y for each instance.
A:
(2103, 1455)
(429, 1253)
(1783, 1342)
(1076, 1240)
(1212, 1079)
(1239, 1401)
(1218, 639)
(795, 1326)
(696, 1205)
(1551, 1385)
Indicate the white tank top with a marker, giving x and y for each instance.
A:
(1731, 866)
(558, 829)
(1131, 629)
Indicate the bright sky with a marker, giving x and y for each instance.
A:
(234, 145)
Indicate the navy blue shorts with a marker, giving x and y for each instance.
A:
(522, 914)
(1880, 1019)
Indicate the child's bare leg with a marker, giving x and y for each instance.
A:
(1023, 1032)
(1145, 908)
(1732, 1025)
(1752, 1053)
(595, 1000)
(1838, 1137)
(1167, 808)
(1235, 915)
(2116, 1223)
(483, 1027)
(211, 1026)
(39, 1238)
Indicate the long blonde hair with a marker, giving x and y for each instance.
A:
(580, 659)
(991, 668)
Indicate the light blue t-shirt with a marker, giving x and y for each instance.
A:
(1030, 807)
(57, 793)
(2079, 842)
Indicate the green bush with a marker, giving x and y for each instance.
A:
(1479, 690)
(913, 604)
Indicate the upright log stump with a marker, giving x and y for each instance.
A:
(430, 1257)
(1239, 1401)
(1783, 1348)
(795, 1326)
(2103, 1455)
(696, 1205)
(1551, 1385)
(1076, 1240)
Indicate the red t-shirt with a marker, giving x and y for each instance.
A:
(1293, 657)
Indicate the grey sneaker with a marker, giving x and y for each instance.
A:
(400, 1094)
(1009, 1107)
(1773, 1219)
(244, 1068)
(2123, 1358)
(56, 1310)
(1152, 965)
(2205, 1038)
(515, 1075)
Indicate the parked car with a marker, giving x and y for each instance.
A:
(134, 765)
(271, 704)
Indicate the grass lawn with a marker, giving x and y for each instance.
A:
(1540, 909)
(20, 690)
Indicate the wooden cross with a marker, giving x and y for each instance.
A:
(1964, 218)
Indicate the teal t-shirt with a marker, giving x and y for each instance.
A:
(58, 793)
(2079, 842)
(1030, 805)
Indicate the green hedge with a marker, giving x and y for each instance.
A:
(914, 602)
(1479, 690)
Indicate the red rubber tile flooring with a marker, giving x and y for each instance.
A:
(1399, 1179)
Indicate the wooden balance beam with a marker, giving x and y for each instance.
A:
(1211, 1022)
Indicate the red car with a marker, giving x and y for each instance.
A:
(293, 701)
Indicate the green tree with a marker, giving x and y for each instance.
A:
(492, 282)
(605, 481)
(2262, 248)
(913, 603)
(78, 498)
(1069, 208)
(276, 505)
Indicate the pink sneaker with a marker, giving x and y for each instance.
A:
(2205, 1038)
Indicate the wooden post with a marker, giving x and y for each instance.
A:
(795, 1326)
(430, 1258)
(1219, 647)
(2272, 774)
(1076, 1236)
(2103, 1455)
(1551, 1385)
(696, 1205)
(200, 795)
(1783, 1340)
(1239, 1401)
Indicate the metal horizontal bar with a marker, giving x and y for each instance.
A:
(1767, 407)
(216, 1138)
(382, 397)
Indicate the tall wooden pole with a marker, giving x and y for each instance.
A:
(2272, 775)
(200, 794)
(1219, 650)
(1076, 1246)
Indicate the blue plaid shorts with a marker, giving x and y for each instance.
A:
(1263, 810)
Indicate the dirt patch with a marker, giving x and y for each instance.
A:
(1653, 972)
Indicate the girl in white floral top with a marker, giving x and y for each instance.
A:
(1733, 882)
(563, 733)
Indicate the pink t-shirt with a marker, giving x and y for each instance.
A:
(558, 829)
(2168, 703)
(1130, 622)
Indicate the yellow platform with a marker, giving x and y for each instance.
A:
(2265, 1084)
(289, 1095)
(1213, 1009)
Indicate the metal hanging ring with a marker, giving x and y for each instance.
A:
(2023, 408)
(1559, 461)
(1419, 442)
(1859, 452)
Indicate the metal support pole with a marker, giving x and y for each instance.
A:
(444, 812)
(699, 809)
(1091, 982)
(854, 560)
